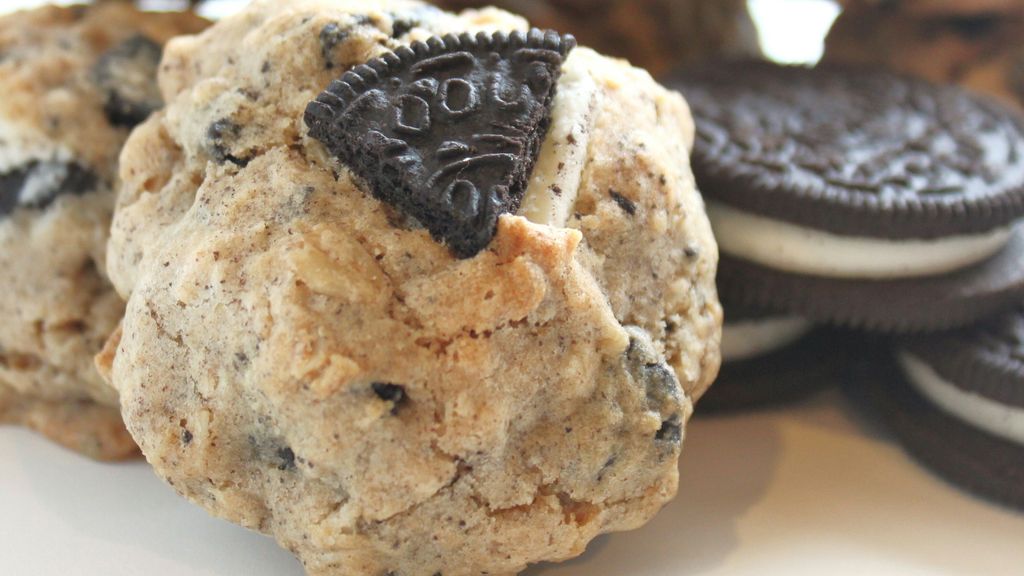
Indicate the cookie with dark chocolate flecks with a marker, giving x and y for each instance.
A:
(397, 269)
(73, 82)
(859, 197)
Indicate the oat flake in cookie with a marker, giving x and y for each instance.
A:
(358, 342)
(854, 196)
(73, 81)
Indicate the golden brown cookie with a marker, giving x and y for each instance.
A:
(74, 81)
(308, 351)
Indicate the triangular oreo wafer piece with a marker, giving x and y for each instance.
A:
(446, 130)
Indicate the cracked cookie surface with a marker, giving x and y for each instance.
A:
(302, 359)
(59, 142)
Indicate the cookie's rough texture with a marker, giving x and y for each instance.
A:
(60, 77)
(446, 130)
(987, 360)
(301, 359)
(981, 51)
(901, 305)
(658, 35)
(984, 464)
(855, 151)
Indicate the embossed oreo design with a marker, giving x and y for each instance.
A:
(38, 184)
(126, 75)
(448, 130)
(855, 151)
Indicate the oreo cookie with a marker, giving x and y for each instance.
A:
(39, 184)
(769, 360)
(126, 74)
(837, 192)
(986, 360)
(957, 428)
(904, 305)
(446, 130)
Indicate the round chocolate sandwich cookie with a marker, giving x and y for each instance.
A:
(837, 191)
(414, 293)
(956, 401)
(73, 83)
(981, 51)
(768, 360)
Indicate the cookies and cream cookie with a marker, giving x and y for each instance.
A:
(414, 293)
(73, 82)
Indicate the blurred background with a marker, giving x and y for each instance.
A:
(792, 31)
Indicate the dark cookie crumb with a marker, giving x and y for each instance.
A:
(287, 459)
(126, 74)
(627, 205)
(671, 431)
(387, 392)
(38, 184)
(186, 437)
(219, 136)
(658, 380)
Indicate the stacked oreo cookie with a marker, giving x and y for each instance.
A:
(860, 199)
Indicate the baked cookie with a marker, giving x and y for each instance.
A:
(659, 35)
(856, 197)
(342, 332)
(768, 360)
(956, 401)
(983, 52)
(73, 82)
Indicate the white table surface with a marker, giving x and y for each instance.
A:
(806, 490)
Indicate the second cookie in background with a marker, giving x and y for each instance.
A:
(979, 45)
(73, 82)
(658, 35)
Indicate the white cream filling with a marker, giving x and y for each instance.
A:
(791, 248)
(752, 338)
(992, 417)
(555, 182)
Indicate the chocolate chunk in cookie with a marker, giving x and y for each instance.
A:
(447, 130)
(659, 382)
(220, 137)
(38, 184)
(127, 76)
